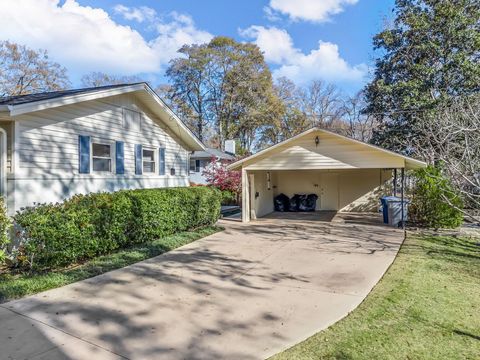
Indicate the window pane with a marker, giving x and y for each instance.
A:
(148, 155)
(101, 164)
(192, 165)
(101, 150)
(148, 167)
(197, 166)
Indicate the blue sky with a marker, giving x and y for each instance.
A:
(302, 39)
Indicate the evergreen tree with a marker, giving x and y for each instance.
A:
(429, 55)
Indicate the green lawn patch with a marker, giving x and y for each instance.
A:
(13, 286)
(427, 306)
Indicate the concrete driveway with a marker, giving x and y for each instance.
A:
(245, 293)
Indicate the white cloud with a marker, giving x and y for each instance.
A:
(308, 10)
(276, 44)
(323, 62)
(84, 38)
(140, 14)
(172, 35)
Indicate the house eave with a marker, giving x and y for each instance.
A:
(20, 109)
(172, 121)
(408, 162)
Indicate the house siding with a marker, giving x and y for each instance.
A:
(330, 153)
(46, 161)
(263, 203)
(197, 177)
(358, 190)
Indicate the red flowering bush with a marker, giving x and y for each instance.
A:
(217, 175)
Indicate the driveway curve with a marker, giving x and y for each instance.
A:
(245, 293)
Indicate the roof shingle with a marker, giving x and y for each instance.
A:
(28, 98)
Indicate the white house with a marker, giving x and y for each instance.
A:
(57, 144)
(199, 160)
(344, 173)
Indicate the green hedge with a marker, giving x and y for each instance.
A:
(229, 198)
(85, 226)
(435, 202)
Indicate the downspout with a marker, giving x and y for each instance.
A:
(3, 164)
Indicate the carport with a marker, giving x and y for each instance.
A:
(345, 174)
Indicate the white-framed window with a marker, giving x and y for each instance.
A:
(194, 165)
(102, 155)
(149, 163)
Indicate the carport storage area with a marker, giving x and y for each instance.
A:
(346, 174)
(339, 190)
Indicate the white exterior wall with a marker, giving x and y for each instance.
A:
(263, 203)
(355, 190)
(331, 152)
(8, 127)
(46, 163)
(197, 177)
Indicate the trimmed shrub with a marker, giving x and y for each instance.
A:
(5, 224)
(86, 226)
(435, 203)
(158, 213)
(229, 197)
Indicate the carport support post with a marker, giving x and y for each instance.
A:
(395, 182)
(245, 197)
(403, 197)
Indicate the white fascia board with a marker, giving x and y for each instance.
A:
(182, 129)
(238, 164)
(179, 123)
(414, 164)
(71, 99)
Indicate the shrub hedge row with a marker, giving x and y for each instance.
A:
(84, 226)
(435, 202)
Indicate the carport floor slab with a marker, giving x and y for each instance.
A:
(245, 293)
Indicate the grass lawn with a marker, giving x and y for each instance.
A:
(427, 306)
(13, 286)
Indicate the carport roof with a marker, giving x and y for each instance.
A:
(358, 148)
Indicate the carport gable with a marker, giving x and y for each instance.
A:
(321, 149)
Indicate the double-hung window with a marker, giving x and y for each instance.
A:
(148, 161)
(101, 157)
(194, 165)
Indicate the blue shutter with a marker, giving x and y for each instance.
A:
(119, 158)
(138, 160)
(84, 154)
(161, 157)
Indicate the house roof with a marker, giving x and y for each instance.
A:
(359, 148)
(23, 104)
(211, 152)
(48, 95)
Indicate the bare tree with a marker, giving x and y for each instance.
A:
(357, 124)
(450, 137)
(24, 71)
(97, 78)
(183, 110)
(321, 103)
